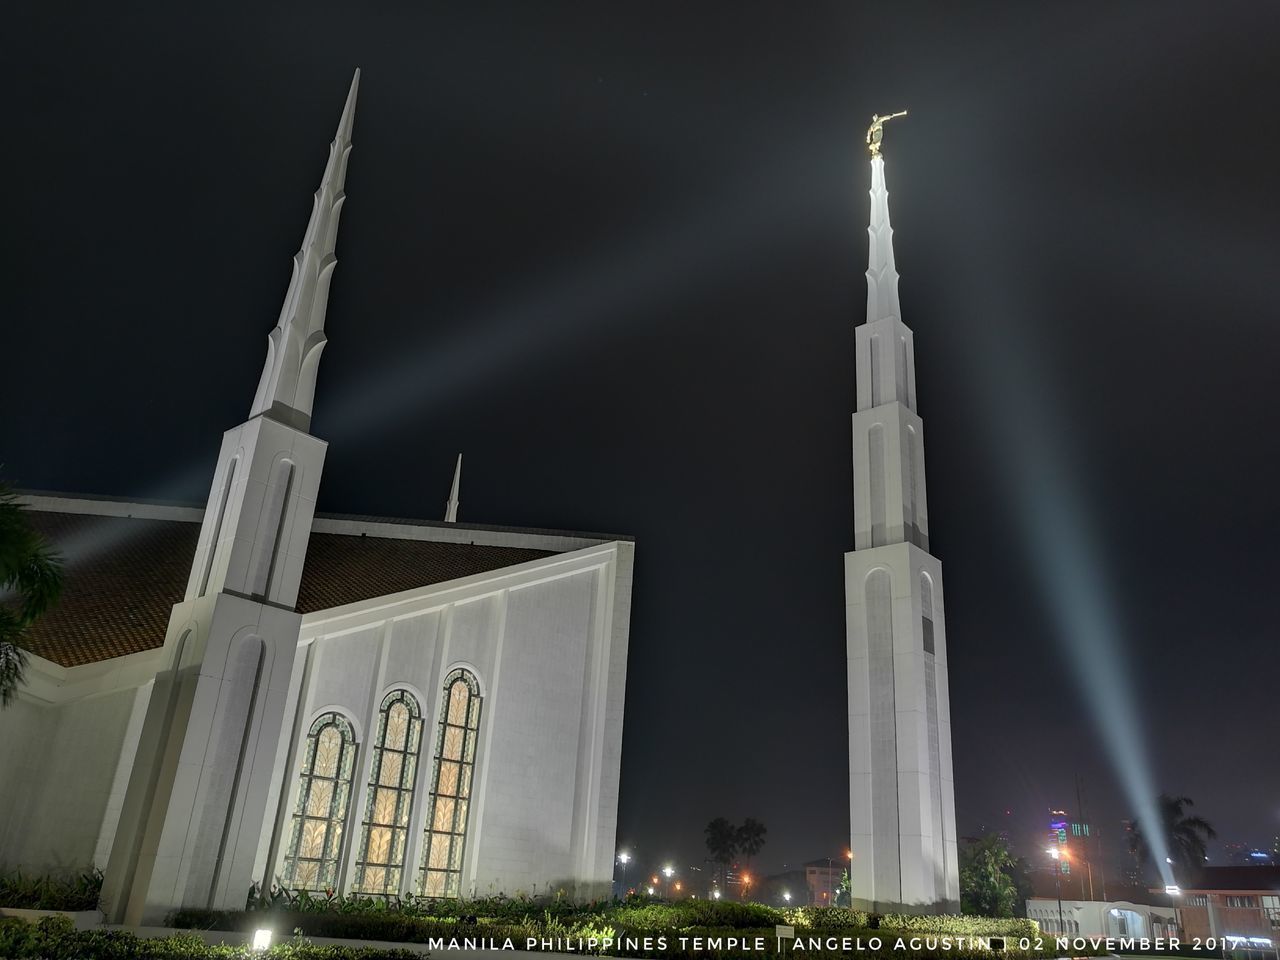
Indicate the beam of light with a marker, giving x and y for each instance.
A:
(1070, 570)
(552, 315)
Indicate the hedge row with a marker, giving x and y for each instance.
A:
(525, 919)
(54, 938)
(961, 926)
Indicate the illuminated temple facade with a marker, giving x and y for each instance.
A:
(253, 692)
(902, 799)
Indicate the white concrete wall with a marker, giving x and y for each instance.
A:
(61, 787)
(547, 641)
(1097, 918)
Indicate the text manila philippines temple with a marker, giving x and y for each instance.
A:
(340, 703)
(901, 796)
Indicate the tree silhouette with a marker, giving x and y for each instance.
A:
(1185, 836)
(722, 843)
(30, 580)
(751, 838)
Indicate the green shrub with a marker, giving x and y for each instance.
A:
(961, 926)
(827, 918)
(683, 914)
(73, 892)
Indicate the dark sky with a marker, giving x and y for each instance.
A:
(615, 254)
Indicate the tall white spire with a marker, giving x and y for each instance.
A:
(882, 274)
(287, 388)
(901, 784)
(451, 506)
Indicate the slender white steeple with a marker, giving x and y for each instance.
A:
(902, 803)
(199, 793)
(451, 505)
(288, 385)
(882, 273)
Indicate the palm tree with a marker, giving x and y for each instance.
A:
(30, 580)
(722, 843)
(1185, 836)
(751, 838)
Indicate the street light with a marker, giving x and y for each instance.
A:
(1057, 883)
(786, 895)
(624, 858)
(1068, 856)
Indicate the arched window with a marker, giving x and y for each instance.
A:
(386, 814)
(451, 786)
(324, 790)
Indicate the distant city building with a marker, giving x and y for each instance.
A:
(1246, 855)
(822, 880)
(1132, 864)
(1069, 835)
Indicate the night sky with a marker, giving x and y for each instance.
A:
(615, 253)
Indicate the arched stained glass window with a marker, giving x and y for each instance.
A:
(386, 814)
(324, 791)
(451, 786)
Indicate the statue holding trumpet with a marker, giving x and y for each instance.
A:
(875, 132)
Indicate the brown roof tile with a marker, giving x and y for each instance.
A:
(343, 569)
(130, 572)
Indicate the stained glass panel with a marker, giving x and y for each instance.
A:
(441, 871)
(390, 795)
(311, 860)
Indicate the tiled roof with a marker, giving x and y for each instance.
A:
(116, 599)
(342, 569)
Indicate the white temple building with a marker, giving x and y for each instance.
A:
(901, 792)
(253, 691)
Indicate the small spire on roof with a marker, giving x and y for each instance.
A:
(451, 506)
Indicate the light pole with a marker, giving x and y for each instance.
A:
(624, 858)
(1088, 866)
(1057, 883)
(668, 871)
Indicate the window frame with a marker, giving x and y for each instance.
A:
(329, 862)
(443, 877)
(403, 791)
